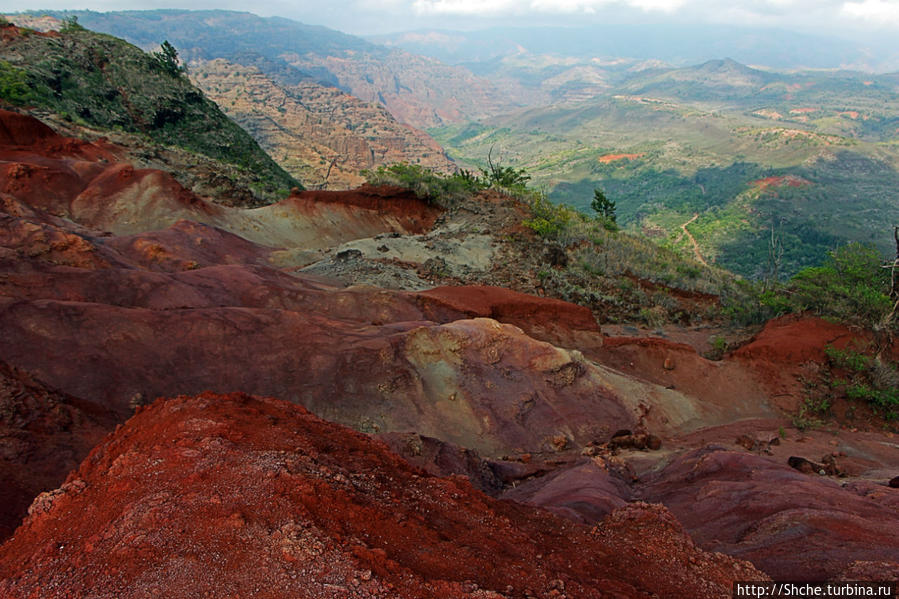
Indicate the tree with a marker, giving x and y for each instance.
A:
(71, 24)
(605, 209)
(167, 59)
(504, 176)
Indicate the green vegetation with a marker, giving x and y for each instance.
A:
(16, 88)
(167, 59)
(105, 83)
(448, 190)
(622, 275)
(70, 24)
(858, 374)
(617, 274)
(736, 148)
(604, 209)
(850, 287)
(443, 190)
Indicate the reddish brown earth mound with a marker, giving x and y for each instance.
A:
(543, 318)
(21, 130)
(791, 525)
(239, 496)
(778, 354)
(399, 202)
(791, 340)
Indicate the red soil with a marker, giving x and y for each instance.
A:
(22, 130)
(416, 214)
(542, 318)
(607, 158)
(239, 496)
(788, 350)
(791, 341)
(788, 180)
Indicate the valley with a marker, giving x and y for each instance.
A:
(700, 137)
(346, 377)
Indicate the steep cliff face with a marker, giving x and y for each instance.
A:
(320, 135)
(416, 90)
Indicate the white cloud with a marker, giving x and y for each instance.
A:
(498, 7)
(878, 11)
(464, 7)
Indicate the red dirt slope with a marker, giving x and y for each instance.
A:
(791, 525)
(240, 496)
(44, 434)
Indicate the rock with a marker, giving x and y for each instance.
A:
(894, 482)
(310, 129)
(803, 465)
(746, 442)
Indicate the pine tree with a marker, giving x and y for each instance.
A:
(167, 59)
(604, 208)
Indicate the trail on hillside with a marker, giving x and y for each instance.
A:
(696, 253)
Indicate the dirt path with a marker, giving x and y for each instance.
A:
(696, 253)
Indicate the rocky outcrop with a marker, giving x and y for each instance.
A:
(216, 495)
(320, 135)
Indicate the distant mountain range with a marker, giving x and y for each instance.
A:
(675, 45)
(418, 91)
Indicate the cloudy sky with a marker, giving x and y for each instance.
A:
(847, 18)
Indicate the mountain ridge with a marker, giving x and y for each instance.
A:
(417, 91)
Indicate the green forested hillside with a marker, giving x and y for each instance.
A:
(108, 84)
(721, 151)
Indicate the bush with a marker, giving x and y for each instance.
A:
(166, 59)
(851, 287)
(549, 220)
(14, 87)
(869, 379)
(443, 190)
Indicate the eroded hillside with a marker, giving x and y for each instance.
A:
(320, 135)
(120, 286)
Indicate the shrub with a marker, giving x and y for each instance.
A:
(850, 286)
(869, 379)
(166, 59)
(443, 190)
(14, 87)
